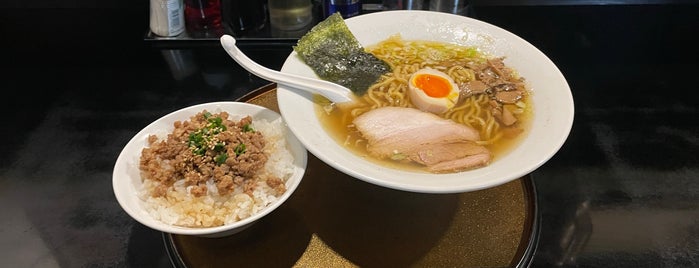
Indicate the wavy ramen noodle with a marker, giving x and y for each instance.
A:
(494, 99)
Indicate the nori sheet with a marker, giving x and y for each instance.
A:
(335, 55)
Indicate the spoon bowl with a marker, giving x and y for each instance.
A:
(334, 92)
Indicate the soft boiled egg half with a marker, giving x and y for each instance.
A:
(432, 91)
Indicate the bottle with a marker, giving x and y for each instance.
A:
(290, 14)
(166, 17)
(203, 16)
(449, 6)
(347, 8)
(242, 17)
(402, 4)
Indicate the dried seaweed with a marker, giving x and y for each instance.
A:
(335, 55)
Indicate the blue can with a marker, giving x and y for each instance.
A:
(347, 8)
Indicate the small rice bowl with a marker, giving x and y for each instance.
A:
(287, 158)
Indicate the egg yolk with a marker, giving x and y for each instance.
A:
(434, 86)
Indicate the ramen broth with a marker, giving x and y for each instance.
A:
(338, 122)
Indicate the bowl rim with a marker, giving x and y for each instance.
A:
(377, 175)
(125, 191)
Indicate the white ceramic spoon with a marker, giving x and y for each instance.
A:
(333, 92)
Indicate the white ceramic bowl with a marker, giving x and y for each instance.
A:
(126, 177)
(552, 101)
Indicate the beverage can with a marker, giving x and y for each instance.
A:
(166, 17)
(346, 8)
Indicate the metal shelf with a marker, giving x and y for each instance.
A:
(268, 36)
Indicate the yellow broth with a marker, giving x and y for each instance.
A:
(338, 126)
(338, 122)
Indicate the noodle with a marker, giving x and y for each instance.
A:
(463, 65)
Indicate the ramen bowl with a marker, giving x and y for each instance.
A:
(128, 183)
(550, 97)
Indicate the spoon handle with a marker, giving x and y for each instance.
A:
(333, 92)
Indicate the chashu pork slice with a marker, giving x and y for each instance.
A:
(406, 133)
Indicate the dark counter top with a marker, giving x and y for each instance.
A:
(79, 83)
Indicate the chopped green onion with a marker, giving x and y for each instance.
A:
(219, 147)
(199, 151)
(216, 121)
(248, 128)
(220, 159)
(199, 139)
(239, 149)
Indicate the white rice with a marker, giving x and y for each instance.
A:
(179, 207)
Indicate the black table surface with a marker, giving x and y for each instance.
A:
(77, 84)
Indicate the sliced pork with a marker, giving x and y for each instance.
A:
(410, 134)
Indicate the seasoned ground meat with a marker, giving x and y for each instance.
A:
(208, 146)
(277, 184)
